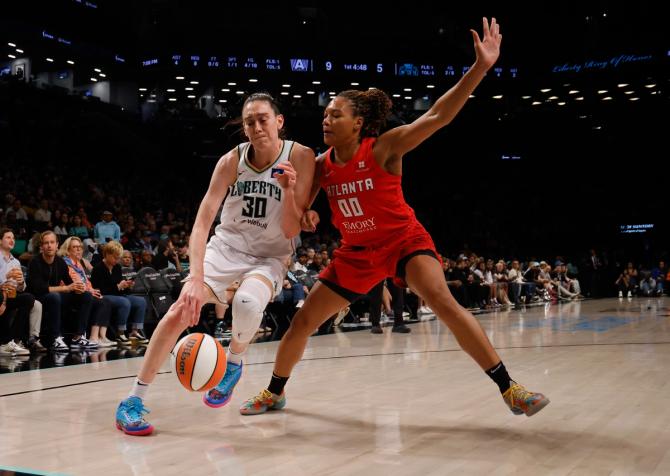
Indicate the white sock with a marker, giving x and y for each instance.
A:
(233, 357)
(139, 389)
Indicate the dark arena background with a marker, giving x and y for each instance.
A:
(520, 172)
(559, 156)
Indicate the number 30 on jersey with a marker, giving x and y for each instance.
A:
(255, 207)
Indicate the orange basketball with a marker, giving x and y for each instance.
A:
(200, 362)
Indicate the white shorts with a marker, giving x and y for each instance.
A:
(225, 265)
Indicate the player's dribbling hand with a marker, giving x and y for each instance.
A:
(288, 178)
(309, 220)
(192, 297)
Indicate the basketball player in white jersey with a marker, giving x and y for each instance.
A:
(265, 183)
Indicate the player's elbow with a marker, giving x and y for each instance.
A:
(442, 119)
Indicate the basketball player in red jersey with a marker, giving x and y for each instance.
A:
(361, 175)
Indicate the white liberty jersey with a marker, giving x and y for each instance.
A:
(251, 214)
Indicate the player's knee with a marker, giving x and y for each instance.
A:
(433, 293)
(247, 315)
(436, 296)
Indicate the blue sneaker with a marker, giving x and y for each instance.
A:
(220, 395)
(130, 417)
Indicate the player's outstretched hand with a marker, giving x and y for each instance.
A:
(488, 48)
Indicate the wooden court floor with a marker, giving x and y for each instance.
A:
(391, 404)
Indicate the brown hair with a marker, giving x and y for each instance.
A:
(262, 96)
(372, 105)
(4, 231)
(45, 233)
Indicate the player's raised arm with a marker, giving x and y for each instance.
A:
(400, 140)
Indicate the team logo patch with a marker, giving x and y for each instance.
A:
(361, 167)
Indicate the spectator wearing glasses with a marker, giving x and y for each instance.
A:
(71, 251)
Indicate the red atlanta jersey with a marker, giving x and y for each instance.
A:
(367, 204)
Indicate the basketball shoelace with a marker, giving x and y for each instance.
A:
(136, 411)
(517, 392)
(263, 398)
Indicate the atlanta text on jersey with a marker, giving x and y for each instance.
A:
(349, 188)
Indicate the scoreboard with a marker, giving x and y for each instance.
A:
(402, 68)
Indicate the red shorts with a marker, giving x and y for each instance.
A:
(357, 269)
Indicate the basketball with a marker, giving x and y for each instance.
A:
(199, 362)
